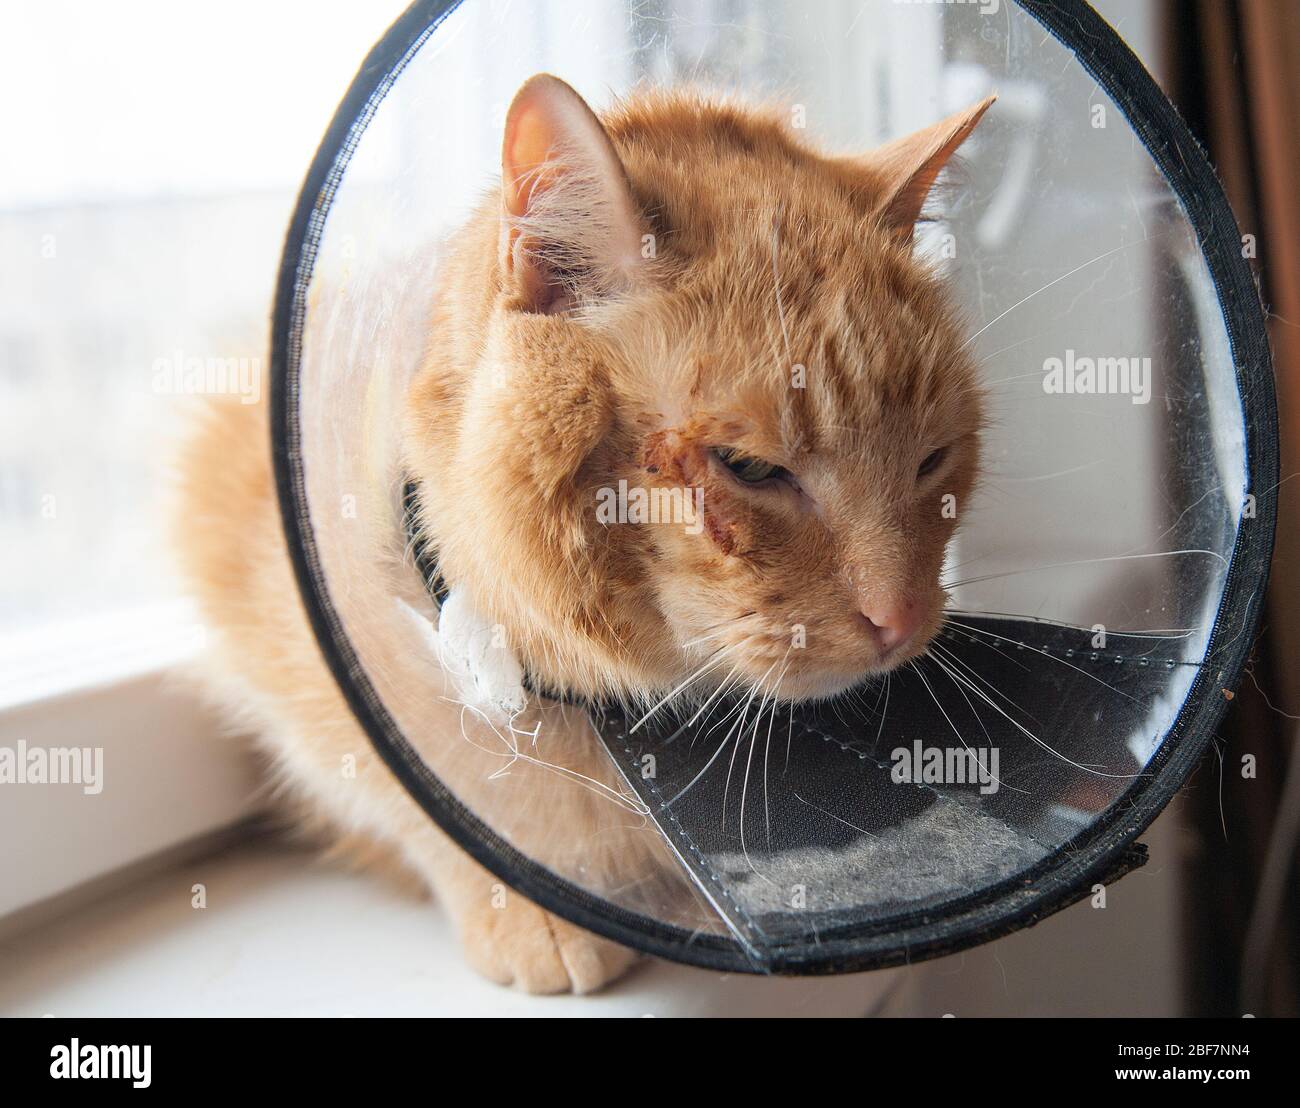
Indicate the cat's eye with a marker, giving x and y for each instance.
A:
(933, 461)
(746, 468)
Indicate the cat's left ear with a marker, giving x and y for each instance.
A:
(570, 227)
(905, 170)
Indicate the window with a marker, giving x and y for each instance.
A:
(152, 155)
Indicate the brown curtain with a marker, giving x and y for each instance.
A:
(1233, 69)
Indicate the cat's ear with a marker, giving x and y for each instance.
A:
(570, 229)
(905, 169)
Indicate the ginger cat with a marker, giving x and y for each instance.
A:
(677, 294)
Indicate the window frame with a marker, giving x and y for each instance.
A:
(172, 771)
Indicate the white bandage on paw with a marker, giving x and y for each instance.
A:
(473, 652)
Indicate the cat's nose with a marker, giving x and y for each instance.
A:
(893, 622)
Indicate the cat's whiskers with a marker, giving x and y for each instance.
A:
(972, 629)
(704, 638)
(1055, 281)
(740, 731)
(916, 668)
(711, 661)
(1039, 742)
(880, 730)
(954, 678)
(723, 686)
(735, 679)
(880, 691)
(989, 357)
(767, 754)
(718, 629)
(1145, 633)
(974, 675)
(744, 783)
(1081, 562)
(714, 756)
(1051, 750)
(773, 697)
(837, 708)
(989, 477)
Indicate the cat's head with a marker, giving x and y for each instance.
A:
(691, 401)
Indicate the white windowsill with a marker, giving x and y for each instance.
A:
(169, 772)
(284, 935)
(72, 656)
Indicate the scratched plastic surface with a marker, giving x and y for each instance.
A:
(1089, 567)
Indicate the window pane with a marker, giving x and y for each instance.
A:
(152, 154)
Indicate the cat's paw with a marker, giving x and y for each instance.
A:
(522, 945)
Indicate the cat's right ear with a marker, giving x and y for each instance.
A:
(570, 229)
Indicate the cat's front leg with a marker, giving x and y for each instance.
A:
(510, 940)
